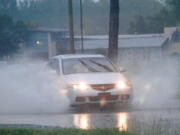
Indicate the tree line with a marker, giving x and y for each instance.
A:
(95, 15)
(15, 19)
(12, 32)
(166, 17)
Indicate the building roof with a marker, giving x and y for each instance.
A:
(43, 29)
(120, 36)
(69, 56)
(125, 41)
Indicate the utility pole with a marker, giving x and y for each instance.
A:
(113, 30)
(81, 25)
(71, 26)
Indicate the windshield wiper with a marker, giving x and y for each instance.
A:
(87, 66)
(101, 65)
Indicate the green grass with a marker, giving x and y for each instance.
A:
(20, 131)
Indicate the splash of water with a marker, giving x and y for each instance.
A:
(156, 84)
(30, 87)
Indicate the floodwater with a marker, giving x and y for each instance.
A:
(140, 120)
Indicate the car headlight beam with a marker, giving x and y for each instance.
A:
(80, 86)
(123, 85)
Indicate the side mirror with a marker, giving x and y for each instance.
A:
(122, 69)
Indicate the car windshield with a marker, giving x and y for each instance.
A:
(87, 65)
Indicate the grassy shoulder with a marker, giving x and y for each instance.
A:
(20, 131)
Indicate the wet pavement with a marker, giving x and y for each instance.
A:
(123, 119)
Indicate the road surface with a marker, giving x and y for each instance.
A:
(166, 119)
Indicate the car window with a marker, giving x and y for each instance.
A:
(87, 65)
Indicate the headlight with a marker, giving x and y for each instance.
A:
(81, 86)
(123, 85)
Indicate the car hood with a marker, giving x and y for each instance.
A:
(94, 78)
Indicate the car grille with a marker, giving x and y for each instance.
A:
(105, 96)
(108, 98)
(102, 87)
(80, 99)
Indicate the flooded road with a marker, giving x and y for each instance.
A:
(139, 120)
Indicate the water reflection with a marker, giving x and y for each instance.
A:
(122, 121)
(88, 121)
(82, 121)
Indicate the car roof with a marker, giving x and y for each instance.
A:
(69, 56)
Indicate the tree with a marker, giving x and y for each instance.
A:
(157, 22)
(113, 30)
(21, 31)
(139, 26)
(154, 23)
(11, 35)
(8, 7)
(175, 4)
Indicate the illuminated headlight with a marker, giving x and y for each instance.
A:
(123, 85)
(81, 86)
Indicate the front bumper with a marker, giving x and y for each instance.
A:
(103, 100)
(97, 97)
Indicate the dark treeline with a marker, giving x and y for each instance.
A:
(168, 16)
(136, 16)
(54, 13)
(12, 32)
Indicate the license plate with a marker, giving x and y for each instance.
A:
(104, 94)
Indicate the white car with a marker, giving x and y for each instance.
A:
(91, 79)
